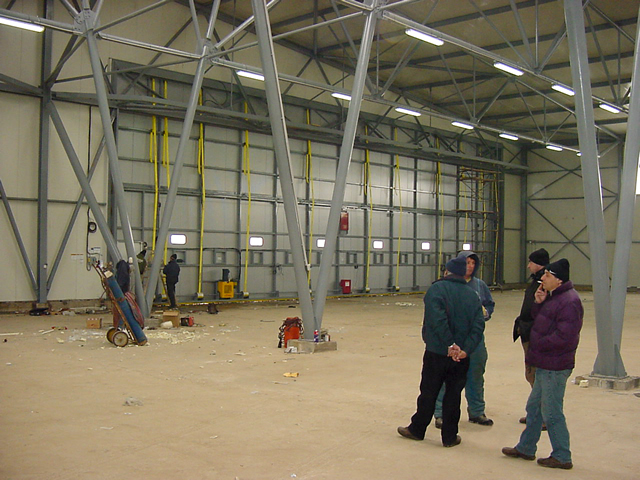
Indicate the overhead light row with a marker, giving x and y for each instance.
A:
(424, 37)
(23, 25)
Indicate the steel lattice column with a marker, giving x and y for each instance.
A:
(608, 361)
(624, 234)
(283, 159)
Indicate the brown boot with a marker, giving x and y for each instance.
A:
(551, 462)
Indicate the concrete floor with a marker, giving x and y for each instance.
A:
(215, 403)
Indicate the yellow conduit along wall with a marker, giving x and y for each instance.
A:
(308, 175)
(246, 170)
(497, 232)
(440, 201)
(397, 187)
(367, 187)
(153, 158)
(165, 156)
(200, 163)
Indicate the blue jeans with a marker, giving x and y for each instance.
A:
(545, 405)
(474, 388)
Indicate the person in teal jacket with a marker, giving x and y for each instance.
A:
(474, 390)
(451, 330)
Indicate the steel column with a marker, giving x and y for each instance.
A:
(43, 162)
(112, 154)
(608, 361)
(346, 149)
(283, 159)
(112, 246)
(170, 201)
(624, 234)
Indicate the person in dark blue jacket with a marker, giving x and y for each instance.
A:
(474, 389)
(452, 329)
(555, 334)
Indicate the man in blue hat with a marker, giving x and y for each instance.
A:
(452, 329)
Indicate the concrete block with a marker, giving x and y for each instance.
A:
(612, 383)
(309, 346)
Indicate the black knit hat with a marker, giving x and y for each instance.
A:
(457, 266)
(540, 257)
(559, 269)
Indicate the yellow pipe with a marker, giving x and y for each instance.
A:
(200, 163)
(153, 157)
(367, 186)
(246, 168)
(441, 239)
(397, 186)
(309, 179)
(165, 155)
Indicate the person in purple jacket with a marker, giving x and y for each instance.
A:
(553, 343)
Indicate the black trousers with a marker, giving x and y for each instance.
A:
(436, 370)
(171, 293)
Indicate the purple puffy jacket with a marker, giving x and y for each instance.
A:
(556, 330)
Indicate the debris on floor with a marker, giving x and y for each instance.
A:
(132, 402)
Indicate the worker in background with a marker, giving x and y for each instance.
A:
(524, 322)
(142, 261)
(123, 275)
(172, 272)
(452, 329)
(555, 334)
(474, 389)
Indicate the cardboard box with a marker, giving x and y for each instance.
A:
(93, 322)
(171, 316)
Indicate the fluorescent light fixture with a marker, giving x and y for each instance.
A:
(508, 136)
(555, 148)
(508, 68)
(23, 25)
(462, 125)
(178, 239)
(609, 108)
(426, 246)
(424, 37)
(320, 243)
(466, 247)
(341, 96)
(562, 89)
(378, 244)
(408, 112)
(255, 76)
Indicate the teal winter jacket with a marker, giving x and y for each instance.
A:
(452, 314)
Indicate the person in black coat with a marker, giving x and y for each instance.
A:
(524, 322)
(172, 272)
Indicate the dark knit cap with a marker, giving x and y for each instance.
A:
(457, 266)
(540, 257)
(559, 269)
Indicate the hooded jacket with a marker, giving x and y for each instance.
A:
(479, 286)
(556, 330)
(452, 314)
